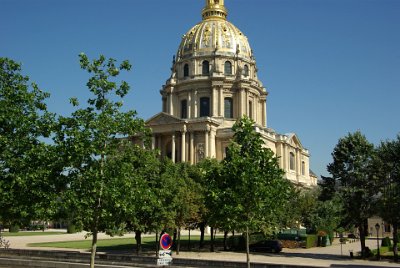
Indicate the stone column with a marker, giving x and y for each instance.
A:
(212, 142)
(247, 103)
(189, 105)
(206, 143)
(153, 142)
(264, 113)
(160, 146)
(168, 103)
(240, 103)
(214, 94)
(221, 101)
(192, 147)
(171, 104)
(173, 148)
(298, 164)
(183, 145)
(194, 102)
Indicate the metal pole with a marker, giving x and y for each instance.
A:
(377, 240)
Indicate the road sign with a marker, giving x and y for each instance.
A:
(164, 258)
(166, 241)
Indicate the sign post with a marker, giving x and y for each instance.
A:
(165, 255)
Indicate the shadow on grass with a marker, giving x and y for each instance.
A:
(150, 247)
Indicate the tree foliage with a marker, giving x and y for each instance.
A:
(88, 139)
(26, 189)
(352, 168)
(388, 172)
(255, 188)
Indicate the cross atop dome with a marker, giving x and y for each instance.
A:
(214, 9)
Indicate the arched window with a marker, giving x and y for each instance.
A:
(291, 161)
(228, 108)
(228, 68)
(184, 109)
(303, 168)
(204, 106)
(206, 68)
(186, 70)
(246, 70)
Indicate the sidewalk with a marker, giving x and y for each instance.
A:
(331, 256)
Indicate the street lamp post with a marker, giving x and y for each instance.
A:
(377, 226)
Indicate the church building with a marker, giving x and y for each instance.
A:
(214, 83)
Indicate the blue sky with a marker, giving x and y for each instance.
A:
(331, 66)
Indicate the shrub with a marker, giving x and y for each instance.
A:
(386, 242)
(238, 242)
(71, 229)
(292, 237)
(311, 241)
(14, 228)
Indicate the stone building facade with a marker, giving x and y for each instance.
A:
(213, 83)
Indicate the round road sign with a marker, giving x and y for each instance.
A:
(166, 241)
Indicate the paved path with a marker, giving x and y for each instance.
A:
(331, 256)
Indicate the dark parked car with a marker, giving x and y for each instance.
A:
(267, 246)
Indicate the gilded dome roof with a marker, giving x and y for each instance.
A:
(214, 35)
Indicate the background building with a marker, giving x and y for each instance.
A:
(213, 83)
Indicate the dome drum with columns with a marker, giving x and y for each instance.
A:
(213, 83)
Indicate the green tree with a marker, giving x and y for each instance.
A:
(256, 189)
(87, 139)
(26, 185)
(187, 200)
(352, 168)
(139, 169)
(217, 211)
(388, 171)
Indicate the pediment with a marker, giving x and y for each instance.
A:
(294, 140)
(163, 119)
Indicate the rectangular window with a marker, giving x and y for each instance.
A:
(184, 109)
(291, 161)
(228, 108)
(204, 106)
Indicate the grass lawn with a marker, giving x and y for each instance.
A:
(34, 233)
(114, 244)
(148, 243)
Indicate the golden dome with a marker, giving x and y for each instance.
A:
(214, 35)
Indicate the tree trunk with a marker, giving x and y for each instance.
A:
(138, 237)
(157, 245)
(247, 247)
(225, 240)
(212, 240)
(202, 229)
(362, 240)
(94, 248)
(395, 241)
(189, 241)
(178, 246)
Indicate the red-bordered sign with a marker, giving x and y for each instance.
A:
(166, 241)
